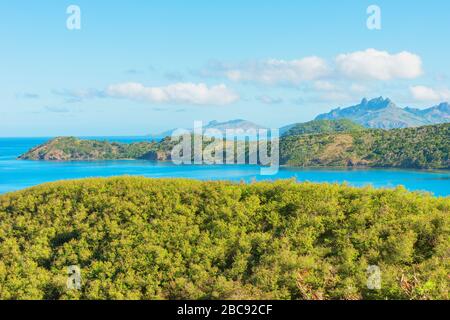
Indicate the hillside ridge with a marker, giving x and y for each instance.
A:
(321, 144)
(383, 113)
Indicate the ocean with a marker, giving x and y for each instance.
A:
(17, 174)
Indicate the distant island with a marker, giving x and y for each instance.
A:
(71, 148)
(221, 126)
(318, 143)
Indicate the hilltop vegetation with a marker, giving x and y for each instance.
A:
(321, 143)
(424, 147)
(138, 238)
(71, 148)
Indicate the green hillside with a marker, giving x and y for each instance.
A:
(71, 148)
(137, 238)
(423, 148)
(314, 144)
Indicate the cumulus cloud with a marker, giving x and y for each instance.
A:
(272, 71)
(372, 64)
(369, 64)
(189, 93)
(427, 94)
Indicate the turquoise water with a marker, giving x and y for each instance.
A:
(16, 175)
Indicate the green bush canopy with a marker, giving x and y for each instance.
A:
(139, 238)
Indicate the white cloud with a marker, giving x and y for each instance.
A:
(427, 94)
(369, 64)
(189, 93)
(274, 71)
(372, 64)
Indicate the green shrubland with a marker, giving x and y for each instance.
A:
(138, 238)
(425, 147)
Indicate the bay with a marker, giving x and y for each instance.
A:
(17, 175)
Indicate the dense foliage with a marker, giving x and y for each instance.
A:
(319, 143)
(422, 147)
(137, 238)
(71, 148)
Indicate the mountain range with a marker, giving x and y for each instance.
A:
(221, 126)
(384, 114)
(379, 113)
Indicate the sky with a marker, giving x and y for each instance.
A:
(139, 67)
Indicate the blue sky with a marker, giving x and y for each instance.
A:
(139, 67)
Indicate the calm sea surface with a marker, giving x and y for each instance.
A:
(16, 175)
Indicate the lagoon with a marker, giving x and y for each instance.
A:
(17, 175)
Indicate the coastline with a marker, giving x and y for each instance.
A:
(356, 167)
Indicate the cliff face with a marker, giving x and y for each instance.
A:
(156, 156)
(47, 151)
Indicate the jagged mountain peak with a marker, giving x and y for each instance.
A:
(444, 106)
(383, 113)
(376, 103)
